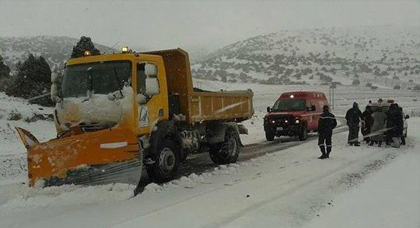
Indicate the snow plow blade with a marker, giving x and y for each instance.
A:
(105, 156)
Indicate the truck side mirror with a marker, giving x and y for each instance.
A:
(54, 77)
(152, 86)
(54, 87)
(150, 69)
(54, 92)
(407, 117)
(268, 109)
(312, 108)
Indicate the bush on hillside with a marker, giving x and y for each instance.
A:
(33, 79)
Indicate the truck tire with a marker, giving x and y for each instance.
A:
(303, 135)
(227, 151)
(166, 162)
(269, 135)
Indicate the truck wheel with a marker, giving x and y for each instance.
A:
(303, 133)
(166, 163)
(227, 151)
(269, 135)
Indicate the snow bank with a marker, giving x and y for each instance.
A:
(29, 198)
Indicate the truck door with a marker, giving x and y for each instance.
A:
(151, 96)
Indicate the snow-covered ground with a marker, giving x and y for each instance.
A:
(389, 198)
(289, 188)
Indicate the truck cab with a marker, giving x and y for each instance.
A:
(122, 111)
(294, 114)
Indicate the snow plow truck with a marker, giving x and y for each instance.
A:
(116, 113)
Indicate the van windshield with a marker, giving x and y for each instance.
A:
(289, 105)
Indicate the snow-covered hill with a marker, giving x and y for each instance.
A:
(55, 49)
(374, 56)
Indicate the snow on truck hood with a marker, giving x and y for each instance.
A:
(96, 109)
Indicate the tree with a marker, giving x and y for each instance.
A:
(84, 44)
(4, 69)
(356, 82)
(33, 78)
(4, 74)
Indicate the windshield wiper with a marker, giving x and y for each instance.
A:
(89, 70)
(118, 81)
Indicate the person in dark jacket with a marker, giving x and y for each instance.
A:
(353, 116)
(394, 123)
(367, 123)
(378, 127)
(326, 124)
(402, 129)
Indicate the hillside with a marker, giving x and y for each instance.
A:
(55, 49)
(374, 56)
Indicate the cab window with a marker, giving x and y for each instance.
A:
(147, 82)
(141, 78)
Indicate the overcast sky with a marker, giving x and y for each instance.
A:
(192, 23)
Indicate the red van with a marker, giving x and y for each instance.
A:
(294, 113)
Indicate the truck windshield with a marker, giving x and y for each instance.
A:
(289, 105)
(100, 77)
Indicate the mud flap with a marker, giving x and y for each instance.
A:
(105, 156)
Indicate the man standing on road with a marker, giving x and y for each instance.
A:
(326, 124)
(353, 116)
(366, 123)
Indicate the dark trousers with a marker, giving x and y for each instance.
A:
(366, 131)
(391, 133)
(353, 133)
(324, 140)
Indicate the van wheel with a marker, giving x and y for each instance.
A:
(166, 162)
(303, 133)
(227, 151)
(269, 135)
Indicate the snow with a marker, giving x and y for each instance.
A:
(113, 145)
(390, 198)
(287, 188)
(96, 109)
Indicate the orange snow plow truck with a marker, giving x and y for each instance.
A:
(116, 113)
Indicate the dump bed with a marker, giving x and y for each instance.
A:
(204, 105)
(233, 105)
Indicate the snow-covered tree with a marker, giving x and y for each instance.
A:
(4, 69)
(4, 74)
(84, 44)
(33, 78)
(356, 82)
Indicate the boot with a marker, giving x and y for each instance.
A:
(403, 140)
(371, 143)
(379, 143)
(356, 144)
(328, 151)
(324, 155)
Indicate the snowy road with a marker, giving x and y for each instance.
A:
(288, 187)
(282, 189)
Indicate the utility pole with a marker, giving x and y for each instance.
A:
(331, 95)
